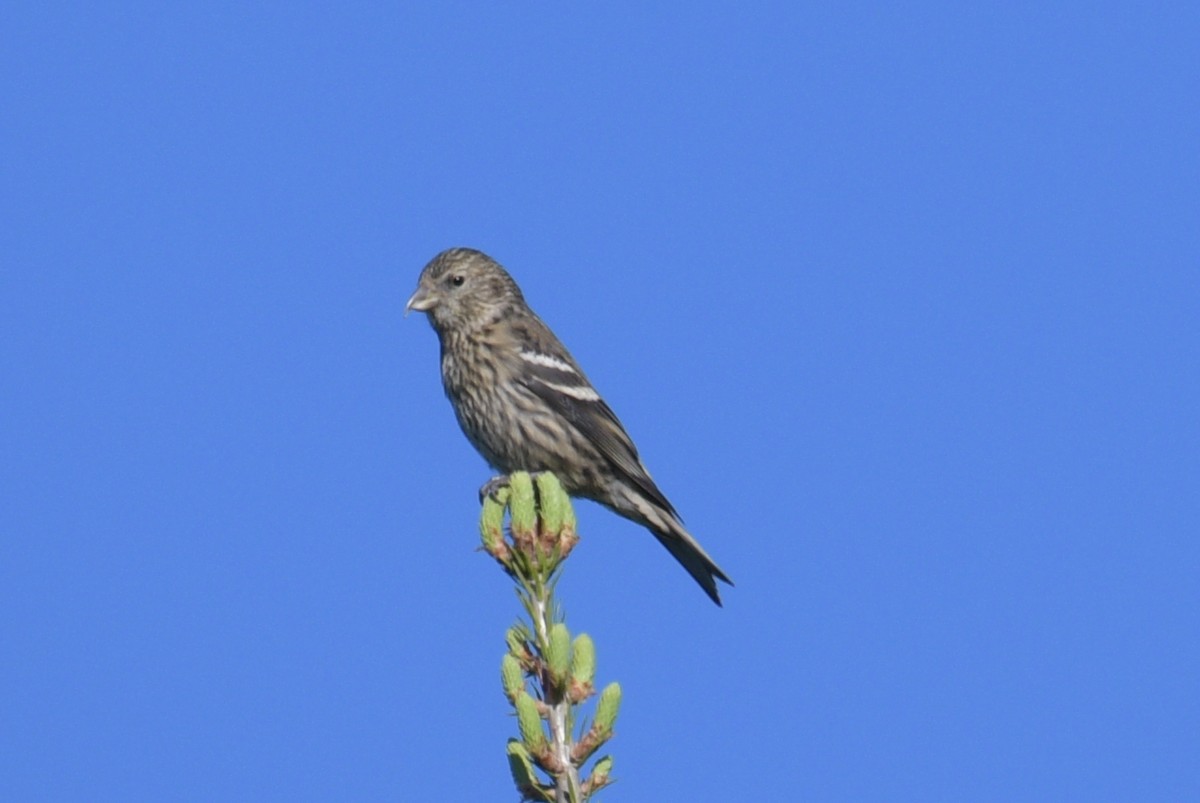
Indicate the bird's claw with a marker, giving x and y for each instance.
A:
(492, 488)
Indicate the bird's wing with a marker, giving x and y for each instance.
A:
(567, 391)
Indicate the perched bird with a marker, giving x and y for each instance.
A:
(525, 404)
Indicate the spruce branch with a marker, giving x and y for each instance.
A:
(546, 676)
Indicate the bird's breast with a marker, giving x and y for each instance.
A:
(508, 424)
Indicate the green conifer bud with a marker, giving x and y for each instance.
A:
(601, 772)
(558, 652)
(529, 722)
(491, 523)
(511, 676)
(607, 708)
(583, 660)
(552, 501)
(568, 525)
(521, 766)
(515, 639)
(521, 504)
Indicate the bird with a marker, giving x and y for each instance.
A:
(524, 403)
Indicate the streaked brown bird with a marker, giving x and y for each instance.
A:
(525, 404)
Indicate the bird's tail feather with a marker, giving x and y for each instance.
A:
(670, 532)
(691, 556)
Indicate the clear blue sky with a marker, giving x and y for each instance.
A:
(901, 306)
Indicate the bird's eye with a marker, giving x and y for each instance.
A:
(457, 280)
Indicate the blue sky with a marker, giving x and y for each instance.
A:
(899, 304)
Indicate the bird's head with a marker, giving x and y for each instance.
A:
(462, 289)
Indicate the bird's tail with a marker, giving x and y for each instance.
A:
(661, 520)
(690, 555)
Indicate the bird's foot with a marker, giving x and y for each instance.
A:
(492, 488)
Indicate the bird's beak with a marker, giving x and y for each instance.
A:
(421, 301)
